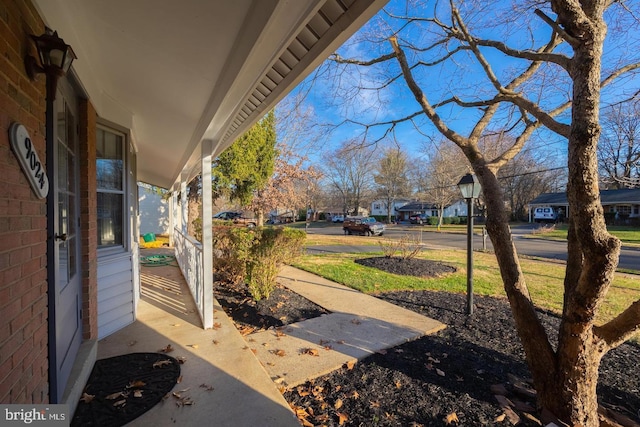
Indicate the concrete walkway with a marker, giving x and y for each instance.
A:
(236, 380)
(358, 326)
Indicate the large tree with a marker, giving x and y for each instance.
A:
(437, 179)
(246, 166)
(619, 149)
(391, 177)
(349, 172)
(525, 66)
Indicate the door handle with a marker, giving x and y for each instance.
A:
(62, 237)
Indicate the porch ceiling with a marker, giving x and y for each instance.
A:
(178, 72)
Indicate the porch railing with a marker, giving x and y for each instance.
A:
(190, 259)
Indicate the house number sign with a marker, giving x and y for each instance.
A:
(29, 160)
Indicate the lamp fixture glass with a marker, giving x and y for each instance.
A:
(55, 55)
(469, 186)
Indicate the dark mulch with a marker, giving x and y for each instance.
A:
(122, 388)
(281, 308)
(408, 267)
(424, 381)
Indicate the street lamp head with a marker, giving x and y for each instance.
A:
(469, 186)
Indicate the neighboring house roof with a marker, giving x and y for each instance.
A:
(607, 197)
(416, 206)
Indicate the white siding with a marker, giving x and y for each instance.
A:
(154, 212)
(115, 293)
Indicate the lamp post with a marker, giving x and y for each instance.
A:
(470, 189)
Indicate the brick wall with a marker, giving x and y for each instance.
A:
(23, 258)
(88, 219)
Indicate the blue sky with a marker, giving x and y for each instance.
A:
(334, 99)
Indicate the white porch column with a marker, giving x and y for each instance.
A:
(184, 203)
(173, 202)
(207, 234)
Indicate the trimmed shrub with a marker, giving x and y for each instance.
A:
(433, 220)
(272, 248)
(231, 247)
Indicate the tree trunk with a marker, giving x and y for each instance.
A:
(539, 353)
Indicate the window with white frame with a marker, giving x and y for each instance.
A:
(111, 183)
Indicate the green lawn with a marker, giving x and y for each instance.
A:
(544, 279)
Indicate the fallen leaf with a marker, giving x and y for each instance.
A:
(254, 351)
(217, 325)
(500, 418)
(439, 372)
(181, 359)
(166, 396)
(452, 418)
(120, 403)
(136, 384)
(356, 321)
(354, 394)
(179, 380)
(338, 404)
(161, 363)
(216, 342)
(398, 384)
(305, 422)
(176, 324)
(188, 401)
(206, 387)
(351, 364)
(280, 353)
(311, 351)
(302, 392)
(132, 343)
(374, 404)
(167, 349)
(342, 417)
(114, 396)
(137, 393)
(340, 342)
(87, 398)
(193, 345)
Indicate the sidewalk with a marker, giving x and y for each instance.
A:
(235, 380)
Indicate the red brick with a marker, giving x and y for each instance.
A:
(10, 275)
(20, 353)
(18, 322)
(10, 240)
(31, 266)
(5, 368)
(11, 309)
(20, 256)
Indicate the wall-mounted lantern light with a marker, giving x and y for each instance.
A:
(55, 59)
(470, 189)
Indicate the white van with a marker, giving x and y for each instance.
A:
(545, 214)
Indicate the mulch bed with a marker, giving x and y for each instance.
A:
(429, 381)
(122, 388)
(281, 308)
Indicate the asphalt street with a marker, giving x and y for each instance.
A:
(557, 250)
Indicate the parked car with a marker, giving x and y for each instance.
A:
(419, 219)
(236, 217)
(337, 218)
(545, 214)
(364, 226)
